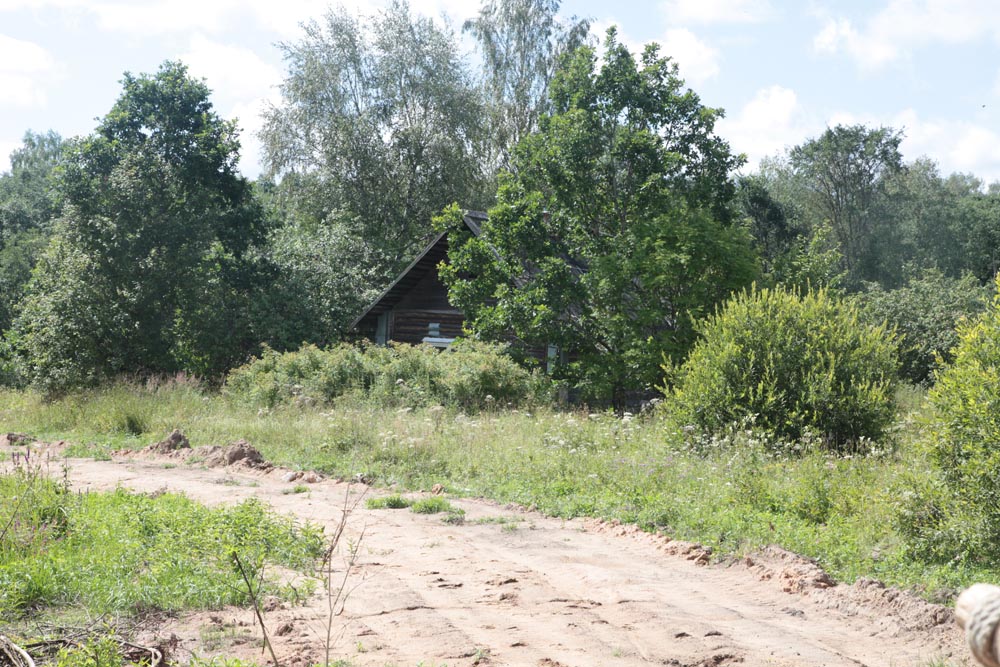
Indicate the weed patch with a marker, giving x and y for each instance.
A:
(120, 552)
(393, 502)
(432, 505)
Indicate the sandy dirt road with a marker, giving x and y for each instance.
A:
(510, 587)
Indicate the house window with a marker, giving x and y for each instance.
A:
(435, 338)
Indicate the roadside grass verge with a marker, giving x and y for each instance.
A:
(735, 494)
(120, 553)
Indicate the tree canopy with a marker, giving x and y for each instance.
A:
(380, 121)
(614, 229)
(147, 269)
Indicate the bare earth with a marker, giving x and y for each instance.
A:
(536, 591)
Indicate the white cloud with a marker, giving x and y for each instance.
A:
(250, 119)
(957, 145)
(232, 72)
(904, 26)
(242, 82)
(158, 17)
(23, 65)
(868, 51)
(716, 11)
(768, 124)
(697, 60)
(153, 18)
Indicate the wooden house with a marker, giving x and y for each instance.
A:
(414, 308)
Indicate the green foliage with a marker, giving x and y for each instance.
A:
(326, 275)
(98, 652)
(376, 130)
(18, 255)
(432, 505)
(733, 491)
(148, 270)
(925, 312)
(792, 365)
(964, 436)
(521, 43)
(28, 199)
(613, 232)
(844, 174)
(393, 502)
(121, 552)
(470, 376)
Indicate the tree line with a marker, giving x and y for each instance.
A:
(617, 218)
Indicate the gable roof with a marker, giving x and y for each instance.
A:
(428, 259)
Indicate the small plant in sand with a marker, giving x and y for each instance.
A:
(393, 502)
(432, 505)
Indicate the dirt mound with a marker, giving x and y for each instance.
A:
(176, 446)
(17, 439)
(795, 573)
(900, 611)
(176, 440)
(240, 452)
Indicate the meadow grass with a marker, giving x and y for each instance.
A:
(735, 493)
(120, 553)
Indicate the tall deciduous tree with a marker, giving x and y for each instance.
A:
(147, 271)
(379, 124)
(520, 44)
(27, 198)
(613, 231)
(846, 170)
(28, 203)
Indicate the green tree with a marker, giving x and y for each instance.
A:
(845, 171)
(148, 269)
(28, 200)
(614, 230)
(771, 225)
(520, 44)
(325, 276)
(379, 125)
(964, 440)
(28, 203)
(925, 312)
(979, 225)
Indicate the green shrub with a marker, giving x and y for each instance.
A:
(965, 432)
(470, 376)
(792, 365)
(925, 312)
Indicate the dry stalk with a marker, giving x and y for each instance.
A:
(337, 590)
(256, 604)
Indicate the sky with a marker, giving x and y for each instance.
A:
(783, 71)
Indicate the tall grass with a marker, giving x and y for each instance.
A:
(735, 493)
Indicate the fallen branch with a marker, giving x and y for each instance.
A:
(15, 654)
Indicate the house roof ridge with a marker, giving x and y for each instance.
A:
(472, 220)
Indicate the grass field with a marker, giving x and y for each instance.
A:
(733, 493)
